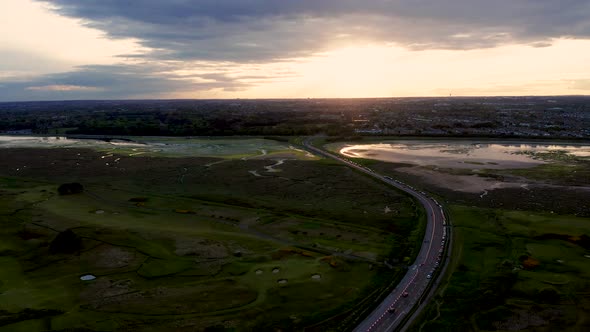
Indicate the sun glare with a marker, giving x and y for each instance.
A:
(354, 71)
(378, 70)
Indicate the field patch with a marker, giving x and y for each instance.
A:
(516, 270)
(175, 242)
(186, 299)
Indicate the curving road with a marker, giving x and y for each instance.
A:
(410, 292)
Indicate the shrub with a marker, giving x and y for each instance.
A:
(66, 242)
(70, 188)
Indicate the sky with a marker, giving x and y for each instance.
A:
(153, 49)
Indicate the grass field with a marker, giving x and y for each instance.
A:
(192, 243)
(514, 270)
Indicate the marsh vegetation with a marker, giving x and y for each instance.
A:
(211, 244)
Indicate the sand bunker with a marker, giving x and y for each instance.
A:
(316, 277)
(87, 277)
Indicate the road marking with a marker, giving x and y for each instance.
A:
(395, 320)
(421, 197)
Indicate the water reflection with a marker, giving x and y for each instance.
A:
(170, 146)
(461, 155)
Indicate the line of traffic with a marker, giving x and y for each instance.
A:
(392, 309)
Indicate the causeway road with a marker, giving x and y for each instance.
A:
(390, 314)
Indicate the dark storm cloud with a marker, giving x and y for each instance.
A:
(112, 82)
(258, 30)
(219, 37)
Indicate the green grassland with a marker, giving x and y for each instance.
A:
(514, 270)
(193, 243)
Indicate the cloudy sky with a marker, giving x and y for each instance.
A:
(113, 49)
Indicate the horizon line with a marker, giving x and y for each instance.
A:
(293, 98)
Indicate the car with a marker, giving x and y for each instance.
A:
(391, 310)
(405, 294)
(428, 276)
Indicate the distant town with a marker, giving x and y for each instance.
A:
(529, 117)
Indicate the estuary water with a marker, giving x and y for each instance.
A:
(461, 154)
